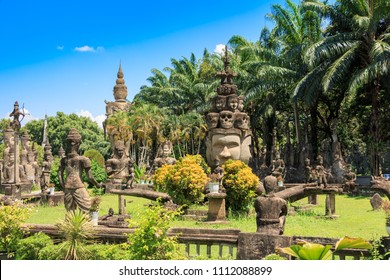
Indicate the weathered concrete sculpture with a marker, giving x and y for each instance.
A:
(163, 156)
(119, 168)
(228, 133)
(76, 195)
(46, 167)
(321, 172)
(119, 105)
(350, 180)
(271, 214)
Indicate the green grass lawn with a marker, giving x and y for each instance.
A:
(356, 218)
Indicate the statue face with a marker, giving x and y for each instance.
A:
(233, 103)
(120, 153)
(166, 150)
(242, 121)
(226, 119)
(220, 102)
(224, 147)
(212, 120)
(240, 104)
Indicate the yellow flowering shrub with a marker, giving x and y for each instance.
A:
(184, 181)
(240, 184)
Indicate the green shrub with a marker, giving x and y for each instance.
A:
(98, 172)
(184, 181)
(240, 184)
(11, 232)
(107, 252)
(150, 240)
(54, 173)
(52, 252)
(274, 257)
(95, 155)
(29, 248)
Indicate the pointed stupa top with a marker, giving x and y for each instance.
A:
(226, 75)
(120, 89)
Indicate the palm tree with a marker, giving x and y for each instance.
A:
(275, 66)
(356, 53)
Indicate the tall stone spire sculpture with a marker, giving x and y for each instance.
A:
(228, 131)
(119, 166)
(44, 138)
(120, 103)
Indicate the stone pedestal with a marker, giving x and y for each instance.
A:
(312, 199)
(53, 199)
(255, 246)
(11, 189)
(217, 211)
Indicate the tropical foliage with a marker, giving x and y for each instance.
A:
(240, 184)
(11, 232)
(184, 181)
(304, 250)
(150, 240)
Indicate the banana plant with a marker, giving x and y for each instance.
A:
(305, 250)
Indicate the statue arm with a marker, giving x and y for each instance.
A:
(61, 170)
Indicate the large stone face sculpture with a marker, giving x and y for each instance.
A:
(228, 132)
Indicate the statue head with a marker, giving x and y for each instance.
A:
(241, 120)
(320, 160)
(226, 119)
(220, 102)
(212, 120)
(233, 102)
(166, 149)
(240, 106)
(74, 141)
(120, 148)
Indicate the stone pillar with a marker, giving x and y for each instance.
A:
(217, 211)
(330, 204)
(313, 199)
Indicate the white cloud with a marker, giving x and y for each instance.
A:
(98, 119)
(88, 49)
(60, 48)
(220, 49)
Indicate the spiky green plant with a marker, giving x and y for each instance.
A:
(76, 229)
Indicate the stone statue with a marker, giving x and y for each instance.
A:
(163, 156)
(120, 168)
(350, 180)
(46, 167)
(119, 105)
(321, 172)
(9, 168)
(16, 113)
(308, 172)
(76, 195)
(228, 132)
(278, 166)
(271, 214)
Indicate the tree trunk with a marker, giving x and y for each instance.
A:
(375, 131)
(314, 128)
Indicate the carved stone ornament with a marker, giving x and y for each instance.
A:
(226, 119)
(212, 120)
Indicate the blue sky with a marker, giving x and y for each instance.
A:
(64, 55)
